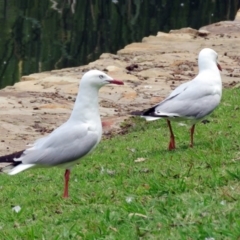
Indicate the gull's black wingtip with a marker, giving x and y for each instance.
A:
(146, 112)
(10, 157)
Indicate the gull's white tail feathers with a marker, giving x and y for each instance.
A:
(12, 170)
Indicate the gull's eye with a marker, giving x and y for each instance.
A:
(101, 76)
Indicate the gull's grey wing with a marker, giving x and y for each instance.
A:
(187, 109)
(174, 93)
(181, 88)
(193, 102)
(66, 144)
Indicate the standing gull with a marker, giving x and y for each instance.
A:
(74, 139)
(193, 100)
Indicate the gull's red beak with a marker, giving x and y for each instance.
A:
(219, 66)
(116, 82)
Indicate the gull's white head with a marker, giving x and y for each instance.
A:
(97, 79)
(207, 59)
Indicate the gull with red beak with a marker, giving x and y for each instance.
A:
(193, 100)
(73, 140)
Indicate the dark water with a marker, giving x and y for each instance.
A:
(41, 35)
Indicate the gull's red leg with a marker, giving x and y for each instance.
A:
(171, 145)
(192, 132)
(66, 176)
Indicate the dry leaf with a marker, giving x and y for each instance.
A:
(140, 160)
(131, 149)
(113, 228)
(16, 209)
(129, 199)
(137, 214)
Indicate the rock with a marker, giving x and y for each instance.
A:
(188, 30)
(203, 33)
(35, 76)
(153, 73)
(162, 34)
(108, 56)
(156, 100)
(237, 18)
(130, 95)
(113, 69)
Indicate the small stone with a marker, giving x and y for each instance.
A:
(113, 69)
(203, 33)
(184, 30)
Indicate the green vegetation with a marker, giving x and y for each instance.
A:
(190, 193)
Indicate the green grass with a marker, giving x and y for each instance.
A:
(189, 193)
